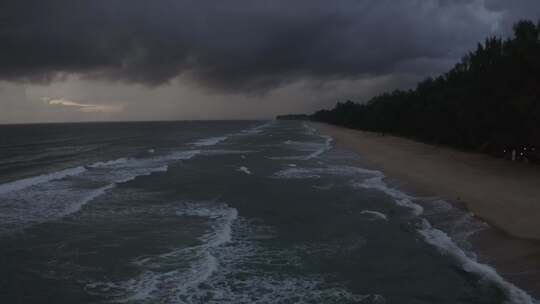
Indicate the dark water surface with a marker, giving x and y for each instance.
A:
(221, 212)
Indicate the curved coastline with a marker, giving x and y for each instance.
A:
(505, 194)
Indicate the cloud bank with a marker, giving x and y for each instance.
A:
(243, 45)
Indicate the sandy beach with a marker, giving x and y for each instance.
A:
(505, 194)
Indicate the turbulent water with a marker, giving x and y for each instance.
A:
(221, 212)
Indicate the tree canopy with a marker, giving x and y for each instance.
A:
(489, 102)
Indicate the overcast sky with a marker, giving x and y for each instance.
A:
(65, 60)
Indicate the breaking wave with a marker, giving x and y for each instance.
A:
(225, 268)
(212, 141)
(36, 180)
(55, 195)
(371, 179)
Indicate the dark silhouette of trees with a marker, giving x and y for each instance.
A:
(489, 102)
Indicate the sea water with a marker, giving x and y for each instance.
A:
(222, 212)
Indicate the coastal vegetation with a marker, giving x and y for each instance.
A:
(489, 102)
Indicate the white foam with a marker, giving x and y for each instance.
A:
(327, 146)
(225, 152)
(299, 173)
(174, 156)
(459, 223)
(372, 179)
(256, 130)
(223, 273)
(445, 244)
(431, 235)
(376, 214)
(315, 148)
(109, 163)
(77, 205)
(36, 180)
(220, 269)
(310, 130)
(244, 169)
(264, 286)
(296, 173)
(54, 196)
(442, 241)
(223, 229)
(402, 199)
(210, 141)
(172, 286)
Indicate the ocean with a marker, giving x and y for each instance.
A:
(222, 212)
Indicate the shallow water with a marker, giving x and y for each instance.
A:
(222, 212)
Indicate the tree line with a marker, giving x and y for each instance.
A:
(489, 101)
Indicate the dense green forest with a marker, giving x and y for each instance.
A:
(489, 102)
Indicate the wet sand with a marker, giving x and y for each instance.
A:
(502, 193)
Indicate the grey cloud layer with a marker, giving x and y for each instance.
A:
(241, 45)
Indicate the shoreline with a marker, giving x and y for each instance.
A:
(506, 195)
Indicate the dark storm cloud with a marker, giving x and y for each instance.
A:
(238, 44)
(514, 10)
